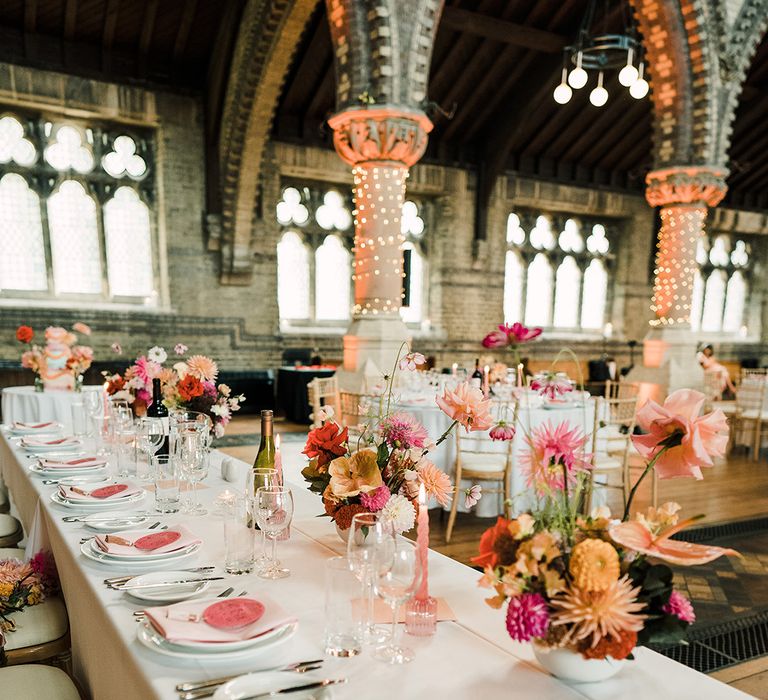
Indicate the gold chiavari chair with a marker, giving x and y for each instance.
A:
(323, 391)
(748, 373)
(621, 389)
(478, 458)
(614, 423)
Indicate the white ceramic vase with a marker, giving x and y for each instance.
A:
(571, 666)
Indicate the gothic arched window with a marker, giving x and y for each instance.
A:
(293, 277)
(332, 275)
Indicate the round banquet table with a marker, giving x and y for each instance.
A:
(436, 422)
(23, 403)
(292, 390)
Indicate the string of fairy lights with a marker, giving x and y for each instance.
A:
(378, 265)
(681, 226)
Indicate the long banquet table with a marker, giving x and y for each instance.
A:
(472, 656)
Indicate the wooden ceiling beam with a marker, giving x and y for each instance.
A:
(481, 25)
(185, 26)
(613, 139)
(30, 16)
(108, 34)
(70, 19)
(147, 27)
(751, 179)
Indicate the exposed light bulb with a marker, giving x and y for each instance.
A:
(628, 74)
(640, 87)
(578, 77)
(562, 92)
(599, 96)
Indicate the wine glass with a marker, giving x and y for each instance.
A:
(93, 405)
(192, 454)
(149, 436)
(396, 576)
(274, 511)
(260, 478)
(365, 531)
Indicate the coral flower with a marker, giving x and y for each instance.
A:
(355, 474)
(490, 551)
(619, 647)
(637, 536)
(679, 606)
(436, 482)
(527, 617)
(594, 565)
(502, 431)
(81, 327)
(190, 387)
(691, 441)
(595, 615)
(204, 368)
(466, 405)
(326, 443)
(551, 449)
(403, 430)
(24, 334)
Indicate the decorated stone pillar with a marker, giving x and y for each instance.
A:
(684, 195)
(380, 143)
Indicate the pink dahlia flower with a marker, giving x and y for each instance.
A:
(375, 500)
(145, 370)
(502, 431)
(691, 440)
(679, 606)
(527, 617)
(467, 405)
(553, 451)
(403, 430)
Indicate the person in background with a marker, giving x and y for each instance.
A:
(706, 358)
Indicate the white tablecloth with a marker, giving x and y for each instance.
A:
(23, 403)
(471, 657)
(436, 422)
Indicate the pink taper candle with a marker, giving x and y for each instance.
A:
(423, 543)
(278, 460)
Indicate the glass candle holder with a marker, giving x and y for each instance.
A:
(421, 617)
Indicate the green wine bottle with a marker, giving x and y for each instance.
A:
(265, 458)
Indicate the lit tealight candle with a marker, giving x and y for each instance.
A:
(608, 330)
(455, 368)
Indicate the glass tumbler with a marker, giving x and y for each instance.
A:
(165, 472)
(343, 608)
(239, 537)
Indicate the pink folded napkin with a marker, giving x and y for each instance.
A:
(18, 425)
(80, 463)
(53, 442)
(103, 492)
(186, 622)
(139, 542)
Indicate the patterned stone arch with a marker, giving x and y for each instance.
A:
(383, 50)
(268, 36)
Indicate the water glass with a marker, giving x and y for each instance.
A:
(342, 615)
(238, 536)
(167, 484)
(149, 437)
(261, 477)
(274, 511)
(79, 419)
(396, 576)
(192, 455)
(125, 439)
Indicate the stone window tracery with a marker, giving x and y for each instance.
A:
(556, 271)
(720, 284)
(76, 219)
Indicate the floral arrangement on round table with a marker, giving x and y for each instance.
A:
(388, 465)
(593, 585)
(189, 384)
(61, 362)
(25, 583)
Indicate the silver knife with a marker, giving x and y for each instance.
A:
(179, 582)
(295, 689)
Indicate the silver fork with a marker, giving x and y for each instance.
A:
(139, 615)
(203, 689)
(128, 577)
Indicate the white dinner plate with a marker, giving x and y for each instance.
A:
(111, 521)
(88, 505)
(171, 594)
(154, 641)
(255, 683)
(53, 429)
(140, 557)
(95, 554)
(35, 468)
(71, 447)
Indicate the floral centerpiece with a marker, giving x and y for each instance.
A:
(384, 469)
(188, 384)
(23, 584)
(592, 585)
(61, 362)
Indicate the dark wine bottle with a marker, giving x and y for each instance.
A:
(157, 409)
(477, 375)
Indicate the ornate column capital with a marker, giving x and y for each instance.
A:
(392, 135)
(693, 184)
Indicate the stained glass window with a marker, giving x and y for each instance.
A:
(75, 211)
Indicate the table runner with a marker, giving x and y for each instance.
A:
(472, 656)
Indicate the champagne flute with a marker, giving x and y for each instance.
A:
(397, 573)
(366, 530)
(193, 458)
(260, 477)
(274, 511)
(93, 406)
